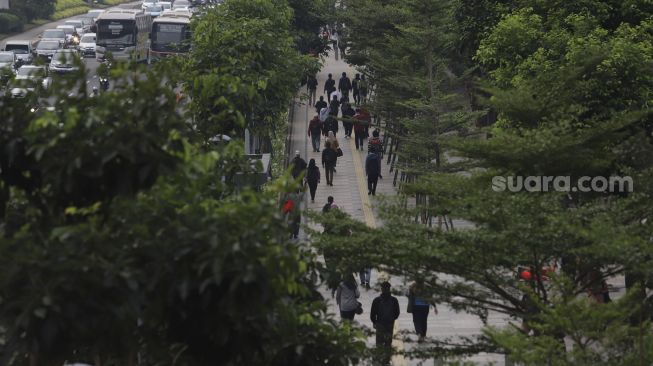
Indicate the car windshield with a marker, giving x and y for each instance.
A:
(63, 57)
(115, 32)
(155, 8)
(31, 71)
(88, 39)
(48, 45)
(75, 24)
(17, 48)
(182, 3)
(67, 30)
(54, 34)
(166, 6)
(6, 57)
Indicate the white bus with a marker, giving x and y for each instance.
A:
(124, 33)
(170, 36)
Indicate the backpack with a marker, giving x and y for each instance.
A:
(386, 311)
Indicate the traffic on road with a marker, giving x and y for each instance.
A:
(144, 31)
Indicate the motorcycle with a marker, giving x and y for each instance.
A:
(104, 83)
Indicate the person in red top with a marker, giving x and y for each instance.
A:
(314, 131)
(360, 128)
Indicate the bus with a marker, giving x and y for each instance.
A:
(170, 36)
(124, 33)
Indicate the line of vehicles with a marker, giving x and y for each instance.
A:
(156, 30)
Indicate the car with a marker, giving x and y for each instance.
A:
(82, 25)
(28, 77)
(96, 13)
(87, 45)
(166, 5)
(64, 61)
(8, 59)
(147, 3)
(70, 31)
(154, 10)
(23, 50)
(181, 3)
(45, 49)
(54, 35)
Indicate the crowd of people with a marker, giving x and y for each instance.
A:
(344, 101)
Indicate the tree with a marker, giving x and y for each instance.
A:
(32, 9)
(570, 86)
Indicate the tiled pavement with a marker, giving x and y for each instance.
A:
(346, 191)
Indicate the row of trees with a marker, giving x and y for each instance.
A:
(565, 88)
(123, 238)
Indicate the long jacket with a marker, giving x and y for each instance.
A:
(346, 296)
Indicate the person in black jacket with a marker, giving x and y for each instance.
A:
(355, 89)
(329, 159)
(372, 171)
(331, 124)
(311, 88)
(312, 178)
(344, 85)
(385, 310)
(329, 86)
(334, 106)
(347, 119)
(320, 104)
(298, 165)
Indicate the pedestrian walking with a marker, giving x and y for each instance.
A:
(330, 124)
(360, 125)
(292, 212)
(385, 310)
(375, 145)
(355, 89)
(334, 43)
(346, 297)
(311, 88)
(365, 275)
(348, 114)
(298, 166)
(320, 104)
(363, 87)
(329, 159)
(315, 132)
(419, 307)
(372, 172)
(344, 85)
(334, 106)
(331, 137)
(329, 86)
(312, 178)
(329, 205)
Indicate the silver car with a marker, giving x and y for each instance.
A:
(28, 77)
(45, 49)
(54, 35)
(8, 60)
(22, 49)
(87, 45)
(64, 61)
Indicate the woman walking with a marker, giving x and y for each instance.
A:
(312, 178)
(420, 309)
(346, 296)
(335, 145)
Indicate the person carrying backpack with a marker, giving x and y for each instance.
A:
(384, 312)
(312, 178)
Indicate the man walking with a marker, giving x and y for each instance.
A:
(320, 104)
(329, 86)
(311, 88)
(330, 124)
(298, 166)
(347, 119)
(344, 86)
(375, 145)
(329, 159)
(314, 132)
(385, 310)
(355, 88)
(372, 172)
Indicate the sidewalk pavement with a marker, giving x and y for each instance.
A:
(349, 192)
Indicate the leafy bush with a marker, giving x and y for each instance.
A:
(10, 23)
(70, 12)
(69, 4)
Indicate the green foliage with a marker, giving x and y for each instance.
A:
(10, 23)
(29, 10)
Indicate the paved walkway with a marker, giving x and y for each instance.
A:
(350, 193)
